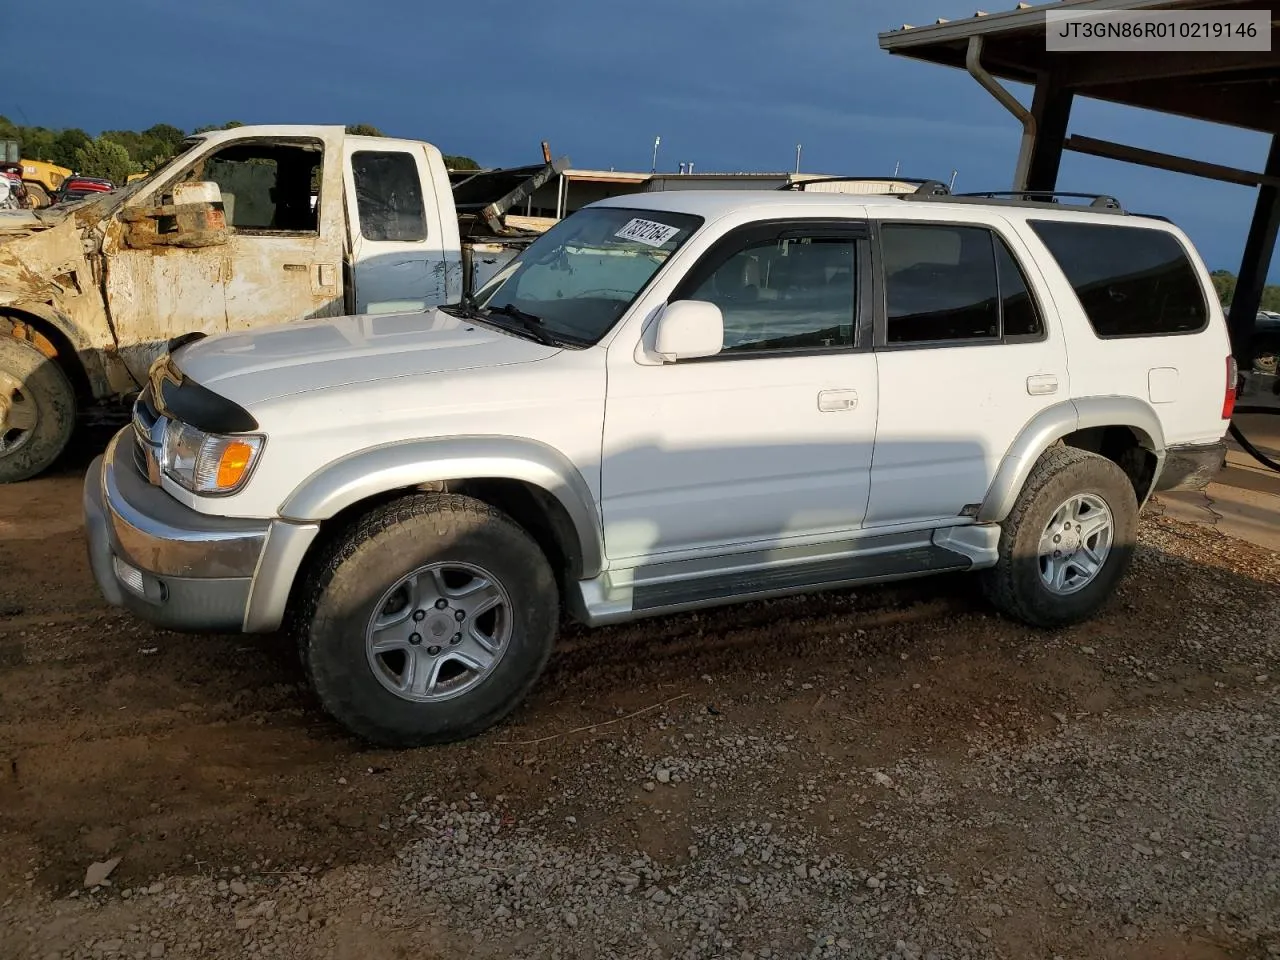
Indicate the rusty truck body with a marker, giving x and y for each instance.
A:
(243, 227)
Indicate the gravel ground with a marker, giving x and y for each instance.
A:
(886, 773)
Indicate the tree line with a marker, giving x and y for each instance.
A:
(115, 154)
(1224, 281)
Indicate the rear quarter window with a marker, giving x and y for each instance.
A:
(1131, 281)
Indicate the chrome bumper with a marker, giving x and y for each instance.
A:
(178, 568)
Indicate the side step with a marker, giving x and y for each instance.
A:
(801, 578)
(630, 593)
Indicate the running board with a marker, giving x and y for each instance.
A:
(672, 587)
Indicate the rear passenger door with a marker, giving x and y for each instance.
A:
(965, 359)
(397, 252)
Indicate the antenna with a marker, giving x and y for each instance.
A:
(952, 186)
(656, 142)
(798, 146)
(897, 165)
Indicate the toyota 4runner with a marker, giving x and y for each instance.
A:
(666, 402)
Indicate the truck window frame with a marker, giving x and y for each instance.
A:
(763, 231)
(881, 322)
(309, 143)
(1206, 304)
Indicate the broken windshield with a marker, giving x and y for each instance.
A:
(580, 276)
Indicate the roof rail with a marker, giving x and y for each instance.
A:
(1097, 200)
(933, 188)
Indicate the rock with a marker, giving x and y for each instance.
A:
(802, 871)
(571, 919)
(238, 888)
(157, 950)
(244, 923)
(110, 946)
(984, 933)
(1143, 849)
(884, 779)
(97, 873)
(375, 892)
(663, 775)
(873, 882)
(650, 786)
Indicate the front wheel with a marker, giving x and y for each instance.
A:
(37, 411)
(1067, 542)
(429, 621)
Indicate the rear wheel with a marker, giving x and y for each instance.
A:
(37, 411)
(429, 621)
(1067, 542)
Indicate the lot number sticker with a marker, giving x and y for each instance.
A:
(647, 232)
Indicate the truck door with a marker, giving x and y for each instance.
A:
(282, 198)
(283, 201)
(397, 240)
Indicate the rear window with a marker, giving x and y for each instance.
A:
(1131, 281)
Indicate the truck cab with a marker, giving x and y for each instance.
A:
(242, 228)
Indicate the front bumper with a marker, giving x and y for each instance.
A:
(178, 568)
(1191, 466)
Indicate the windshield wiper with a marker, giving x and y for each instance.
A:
(530, 324)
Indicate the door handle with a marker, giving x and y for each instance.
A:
(1042, 385)
(831, 401)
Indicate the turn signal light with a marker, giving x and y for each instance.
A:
(234, 461)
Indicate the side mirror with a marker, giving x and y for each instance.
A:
(688, 329)
(194, 217)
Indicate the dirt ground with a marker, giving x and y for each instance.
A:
(958, 785)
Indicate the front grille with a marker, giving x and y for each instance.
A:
(148, 435)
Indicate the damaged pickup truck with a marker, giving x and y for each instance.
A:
(244, 227)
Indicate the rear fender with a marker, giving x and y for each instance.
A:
(1051, 425)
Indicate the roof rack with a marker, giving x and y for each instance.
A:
(1096, 200)
(932, 188)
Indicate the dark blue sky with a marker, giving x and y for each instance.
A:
(728, 84)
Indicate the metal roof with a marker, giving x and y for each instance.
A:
(1240, 89)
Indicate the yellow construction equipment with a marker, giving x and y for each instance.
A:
(40, 177)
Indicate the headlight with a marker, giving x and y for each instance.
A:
(208, 462)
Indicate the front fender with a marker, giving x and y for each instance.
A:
(396, 466)
(1052, 424)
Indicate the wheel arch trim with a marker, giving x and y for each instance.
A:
(405, 464)
(1052, 424)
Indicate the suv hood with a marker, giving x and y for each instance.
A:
(297, 358)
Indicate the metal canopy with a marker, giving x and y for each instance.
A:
(1239, 89)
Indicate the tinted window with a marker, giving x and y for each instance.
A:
(1131, 281)
(940, 283)
(388, 195)
(1018, 314)
(785, 294)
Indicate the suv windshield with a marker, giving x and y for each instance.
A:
(578, 278)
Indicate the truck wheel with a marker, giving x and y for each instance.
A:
(37, 411)
(1067, 542)
(37, 196)
(428, 621)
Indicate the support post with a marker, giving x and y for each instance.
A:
(1255, 263)
(1051, 106)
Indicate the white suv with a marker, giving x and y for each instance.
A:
(671, 401)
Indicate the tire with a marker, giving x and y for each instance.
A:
(373, 695)
(37, 196)
(1017, 585)
(37, 411)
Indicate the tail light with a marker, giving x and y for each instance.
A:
(1229, 399)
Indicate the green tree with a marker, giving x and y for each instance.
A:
(1224, 281)
(104, 157)
(454, 162)
(66, 144)
(364, 130)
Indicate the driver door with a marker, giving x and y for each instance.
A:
(282, 261)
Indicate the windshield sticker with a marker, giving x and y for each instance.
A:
(647, 232)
